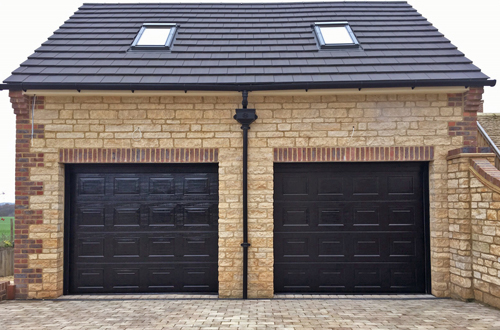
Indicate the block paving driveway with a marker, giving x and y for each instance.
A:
(283, 312)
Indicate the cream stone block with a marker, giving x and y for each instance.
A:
(119, 128)
(59, 128)
(135, 99)
(166, 143)
(132, 114)
(87, 99)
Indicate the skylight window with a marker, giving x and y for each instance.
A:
(335, 35)
(155, 36)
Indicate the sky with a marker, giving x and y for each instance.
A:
(472, 26)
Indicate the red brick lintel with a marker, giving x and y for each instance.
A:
(486, 172)
(143, 155)
(354, 154)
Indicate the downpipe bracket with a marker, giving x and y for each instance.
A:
(245, 117)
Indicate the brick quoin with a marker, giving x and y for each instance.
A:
(472, 103)
(25, 159)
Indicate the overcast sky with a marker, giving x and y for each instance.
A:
(472, 26)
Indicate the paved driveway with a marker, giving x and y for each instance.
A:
(205, 312)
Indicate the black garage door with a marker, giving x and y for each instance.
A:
(142, 228)
(349, 228)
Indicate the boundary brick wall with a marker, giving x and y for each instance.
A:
(109, 124)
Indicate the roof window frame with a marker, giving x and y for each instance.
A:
(321, 41)
(168, 42)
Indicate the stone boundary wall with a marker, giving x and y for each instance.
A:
(474, 215)
(485, 218)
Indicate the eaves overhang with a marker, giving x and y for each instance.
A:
(250, 86)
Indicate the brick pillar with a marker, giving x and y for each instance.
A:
(24, 275)
(472, 104)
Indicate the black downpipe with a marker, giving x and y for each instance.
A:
(245, 117)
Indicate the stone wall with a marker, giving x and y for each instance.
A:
(176, 122)
(474, 212)
(485, 208)
(491, 124)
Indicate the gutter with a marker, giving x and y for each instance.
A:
(252, 86)
(245, 117)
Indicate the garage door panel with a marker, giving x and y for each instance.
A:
(92, 186)
(296, 217)
(88, 279)
(403, 278)
(297, 279)
(367, 277)
(195, 278)
(199, 247)
(161, 278)
(330, 186)
(90, 247)
(360, 246)
(91, 215)
(294, 185)
(126, 247)
(332, 247)
(401, 185)
(127, 215)
(401, 246)
(331, 217)
(366, 216)
(161, 246)
(366, 186)
(125, 278)
(356, 228)
(367, 247)
(143, 228)
(126, 185)
(332, 278)
(161, 215)
(346, 216)
(347, 278)
(162, 186)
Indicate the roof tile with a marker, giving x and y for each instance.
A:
(246, 43)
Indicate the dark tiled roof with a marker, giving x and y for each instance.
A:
(251, 46)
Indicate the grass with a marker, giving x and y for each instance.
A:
(5, 231)
(5, 226)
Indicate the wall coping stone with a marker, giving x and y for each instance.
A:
(486, 172)
(471, 155)
(469, 150)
